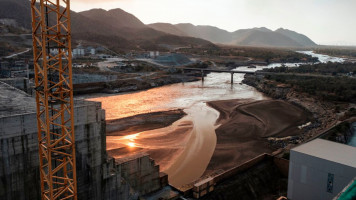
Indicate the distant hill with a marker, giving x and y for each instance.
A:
(115, 28)
(210, 33)
(123, 31)
(268, 38)
(167, 28)
(263, 37)
(300, 38)
(247, 37)
(130, 32)
(18, 10)
(118, 23)
(116, 18)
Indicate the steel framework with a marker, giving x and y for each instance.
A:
(54, 97)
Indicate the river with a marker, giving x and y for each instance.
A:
(193, 151)
(323, 58)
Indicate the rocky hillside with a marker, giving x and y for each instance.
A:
(115, 28)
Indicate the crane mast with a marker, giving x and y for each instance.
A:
(52, 53)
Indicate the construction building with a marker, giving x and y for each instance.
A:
(320, 169)
(17, 68)
(78, 52)
(173, 59)
(98, 175)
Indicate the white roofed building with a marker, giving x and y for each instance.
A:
(320, 169)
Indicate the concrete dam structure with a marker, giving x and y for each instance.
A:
(98, 175)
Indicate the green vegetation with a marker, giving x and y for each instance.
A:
(337, 88)
(136, 68)
(326, 88)
(339, 133)
(322, 68)
(268, 55)
(349, 52)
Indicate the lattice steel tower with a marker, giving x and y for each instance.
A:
(54, 97)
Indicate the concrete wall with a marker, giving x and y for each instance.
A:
(141, 172)
(308, 177)
(243, 167)
(97, 175)
(258, 178)
(282, 164)
(92, 78)
(19, 83)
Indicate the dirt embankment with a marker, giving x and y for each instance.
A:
(323, 112)
(134, 84)
(246, 127)
(150, 133)
(143, 122)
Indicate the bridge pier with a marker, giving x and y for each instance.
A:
(183, 75)
(218, 71)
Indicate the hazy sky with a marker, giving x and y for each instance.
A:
(324, 21)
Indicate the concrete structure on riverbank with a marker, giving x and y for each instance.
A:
(262, 177)
(99, 176)
(18, 68)
(173, 60)
(19, 83)
(320, 169)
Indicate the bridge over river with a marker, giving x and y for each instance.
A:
(204, 71)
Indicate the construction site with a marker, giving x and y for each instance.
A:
(53, 147)
(210, 145)
(98, 176)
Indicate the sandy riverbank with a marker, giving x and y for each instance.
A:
(245, 127)
(142, 122)
(159, 134)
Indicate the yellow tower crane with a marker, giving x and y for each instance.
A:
(54, 97)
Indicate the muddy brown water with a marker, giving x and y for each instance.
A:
(194, 146)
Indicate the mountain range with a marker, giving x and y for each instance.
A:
(246, 37)
(120, 30)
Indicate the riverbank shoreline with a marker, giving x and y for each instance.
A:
(160, 134)
(247, 126)
(323, 112)
(234, 145)
(135, 84)
(142, 122)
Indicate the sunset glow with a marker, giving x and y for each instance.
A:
(327, 22)
(131, 144)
